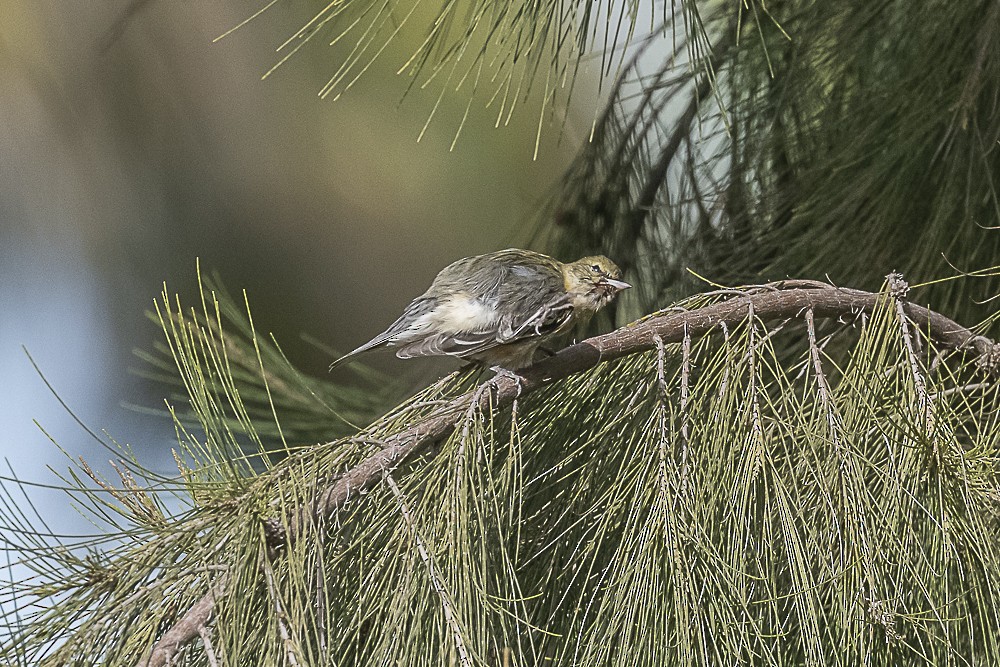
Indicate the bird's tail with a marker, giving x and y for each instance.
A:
(417, 308)
(381, 339)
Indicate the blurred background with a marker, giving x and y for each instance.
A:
(132, 144)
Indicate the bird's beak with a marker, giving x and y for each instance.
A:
(617, 284)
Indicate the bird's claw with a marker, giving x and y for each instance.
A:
(502, 372)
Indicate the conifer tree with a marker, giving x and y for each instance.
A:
(783, 450)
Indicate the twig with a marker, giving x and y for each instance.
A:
(898, 289)
(822, 386)
(685, 412)
(291, 651)
(664, 396)
(753, 390)
(436, 583)
(975, 386)
(213, 661)
(825, 302)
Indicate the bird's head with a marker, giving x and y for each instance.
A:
(592, 282)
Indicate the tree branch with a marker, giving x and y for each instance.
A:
(191, 624)
(778, 301)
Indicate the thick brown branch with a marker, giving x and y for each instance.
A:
(774, 302)
(186, 629)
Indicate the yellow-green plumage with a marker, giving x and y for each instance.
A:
(499, 307)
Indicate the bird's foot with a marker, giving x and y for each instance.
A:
(506, 373)
(493, 383)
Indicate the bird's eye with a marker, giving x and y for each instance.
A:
(596, 268)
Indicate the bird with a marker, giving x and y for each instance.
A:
(498, 308)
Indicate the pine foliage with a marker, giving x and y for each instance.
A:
(784, 492)
(751, 496)
(807, 139)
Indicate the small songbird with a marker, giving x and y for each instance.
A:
(499, 307)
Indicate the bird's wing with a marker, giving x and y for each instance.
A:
(549, 318)
(510, 327)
